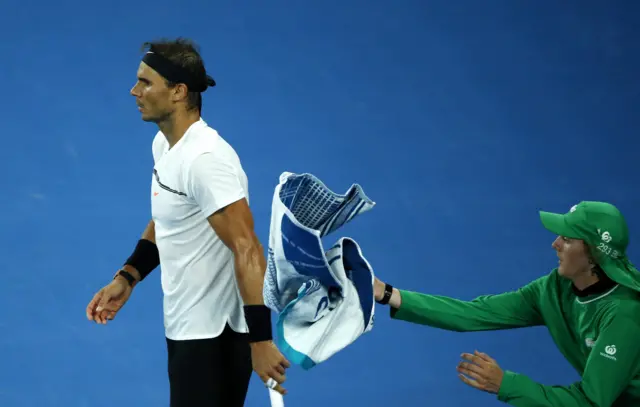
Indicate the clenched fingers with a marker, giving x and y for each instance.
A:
(280, 369)
(91, 308)
(107, 315)
(278, 379)
(280, 390)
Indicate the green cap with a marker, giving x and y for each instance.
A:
(604, 229)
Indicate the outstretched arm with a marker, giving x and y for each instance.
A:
(513, 309)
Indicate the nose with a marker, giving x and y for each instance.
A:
(557, 244)
(135, 90)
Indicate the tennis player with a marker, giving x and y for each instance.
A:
(590, 305)
(201, 233)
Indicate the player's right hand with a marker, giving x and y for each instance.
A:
(108, 301)
(269, 363)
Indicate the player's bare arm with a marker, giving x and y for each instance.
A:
(106, 303)
(234, 225)
(149, 234)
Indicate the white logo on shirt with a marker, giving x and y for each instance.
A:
(609, 351)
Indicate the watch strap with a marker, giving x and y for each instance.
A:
(388, 290)
(127, 276)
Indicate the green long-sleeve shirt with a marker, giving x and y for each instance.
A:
(598, 334)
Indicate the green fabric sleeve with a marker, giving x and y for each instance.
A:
(612, 364)
(489, 312)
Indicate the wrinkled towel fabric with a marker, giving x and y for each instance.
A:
(324, 299)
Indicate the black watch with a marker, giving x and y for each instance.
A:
(388, 290)
(127, 276)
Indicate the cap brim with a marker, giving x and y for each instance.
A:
(556, 223)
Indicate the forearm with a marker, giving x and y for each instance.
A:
(395, 302)
(484, 313)
(147, 260)
(250, 266)
(520, 391)
(149, 232)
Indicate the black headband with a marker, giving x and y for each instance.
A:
(177, 74)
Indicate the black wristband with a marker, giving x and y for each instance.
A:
(388, 290)
(144, 258)
(127, 276)
(258, 319)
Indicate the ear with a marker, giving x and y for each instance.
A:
(179, 92)
(591, 260)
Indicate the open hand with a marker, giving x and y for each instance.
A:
(480, 371)
(269, 363)
(108, 301)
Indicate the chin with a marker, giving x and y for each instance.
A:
(149, 119)
(562, 272)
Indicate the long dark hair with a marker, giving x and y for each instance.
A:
(593, 260)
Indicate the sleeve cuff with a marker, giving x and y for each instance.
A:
(398, 313)
(508, 385)
(215, 206)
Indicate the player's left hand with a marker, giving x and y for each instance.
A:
(480, 371)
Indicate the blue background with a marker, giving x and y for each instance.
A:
(460, 119)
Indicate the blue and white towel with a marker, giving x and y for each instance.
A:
(324, 300)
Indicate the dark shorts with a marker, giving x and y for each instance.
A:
(209, 372)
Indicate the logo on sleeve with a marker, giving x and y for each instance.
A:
(609, 352)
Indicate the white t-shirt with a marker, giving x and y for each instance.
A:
(199, 175)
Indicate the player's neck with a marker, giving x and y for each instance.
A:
(175, 126)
